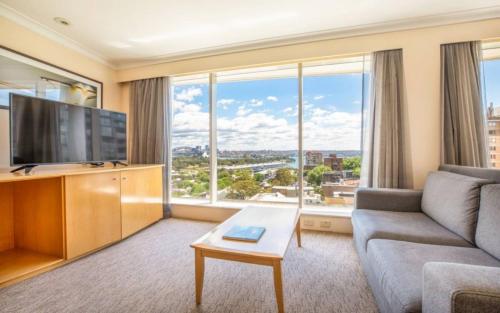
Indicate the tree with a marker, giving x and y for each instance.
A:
(315, 175)
(184, 184)
(243, 175)
(284, 177)
(243, 189)
(202, 176)
(357, 172)
(199, 188)
(224, 182)
(353, 164)
(259, 177)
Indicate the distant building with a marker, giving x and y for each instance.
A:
(274, 197)
(332, 177)
(338, 194)
(333, 162)
(314, 158)
(280, 198)
(494, 135)
(291, 191)
(347, 174)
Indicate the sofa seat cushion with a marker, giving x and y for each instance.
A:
(452, 200)
(488, 224)
(405, 226)
(398, 265)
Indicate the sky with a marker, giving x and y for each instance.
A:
(491, 76)
(262, 114)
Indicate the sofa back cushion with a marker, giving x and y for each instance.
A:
(452, 200)
(488, 223)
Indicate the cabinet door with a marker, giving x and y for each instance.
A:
(92, 212)
(142, 199)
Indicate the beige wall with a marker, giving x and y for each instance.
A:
(421, 62)
(25, 41)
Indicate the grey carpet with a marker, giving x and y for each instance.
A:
(153, 271)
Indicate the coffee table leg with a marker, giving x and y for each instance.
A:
(297, 230)
(278, 285)
(199, 269)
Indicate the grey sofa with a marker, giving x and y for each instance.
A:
(436, 250)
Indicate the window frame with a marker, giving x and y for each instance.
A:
(212, 98)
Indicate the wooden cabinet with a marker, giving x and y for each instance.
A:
(93, 213)
(141, 199)
(59, 214)
(31, 227)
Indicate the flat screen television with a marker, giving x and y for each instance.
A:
(48, 132)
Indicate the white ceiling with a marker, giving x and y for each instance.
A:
(126, 32)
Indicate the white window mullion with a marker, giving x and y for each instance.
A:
(168, 138)
(213, 136)
(300, 152)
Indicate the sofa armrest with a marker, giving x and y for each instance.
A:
(457, 288)
(384, 199)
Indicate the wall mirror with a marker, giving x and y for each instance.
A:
(25, 75)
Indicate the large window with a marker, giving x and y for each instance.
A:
(332, 105)
(491, 75)
(257, 135)
(190, 172)
(273, 141)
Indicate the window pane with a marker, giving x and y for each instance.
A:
(492, 97)
(257, 134)
(333, 93)
(190, 137)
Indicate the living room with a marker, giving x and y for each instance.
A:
(264, 156)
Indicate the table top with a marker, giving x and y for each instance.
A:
(279, 223)
(59, 171)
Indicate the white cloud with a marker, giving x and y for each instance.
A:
(181, 106)
(188, 94)
(256, 102)
(256, 131)
(226, 101)
(272, 98)
(291, 111)
(308, 106)
(190, 129)
(178, 105)
(243, 111)
(319, 97)
(192, 107)
(324, 129)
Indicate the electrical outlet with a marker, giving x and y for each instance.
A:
(325, 224)
(309, 223)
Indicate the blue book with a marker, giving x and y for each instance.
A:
(244, 233)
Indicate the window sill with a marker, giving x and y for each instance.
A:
(344, 212)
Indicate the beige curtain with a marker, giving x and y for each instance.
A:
(463, 137)
(386, 162)
(148, 101)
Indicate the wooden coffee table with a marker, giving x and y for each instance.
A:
(280, 224)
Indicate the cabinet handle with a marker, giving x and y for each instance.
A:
(124, 178)
(114, 178)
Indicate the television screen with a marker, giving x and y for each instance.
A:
(44, 131)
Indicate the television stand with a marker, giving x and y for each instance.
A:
(27, 169)
(115, 163)
(96, 164)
